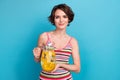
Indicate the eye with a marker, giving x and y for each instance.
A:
(56, 17)
(65, 16)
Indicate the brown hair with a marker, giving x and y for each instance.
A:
(66, 9)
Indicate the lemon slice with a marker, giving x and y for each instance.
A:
(48, 60)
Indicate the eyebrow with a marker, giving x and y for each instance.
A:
(62, 15)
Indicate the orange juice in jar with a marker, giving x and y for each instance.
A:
(48, 59)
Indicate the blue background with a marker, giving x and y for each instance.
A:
(96, 26)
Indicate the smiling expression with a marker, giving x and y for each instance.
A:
(60, 19)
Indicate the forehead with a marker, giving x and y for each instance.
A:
(59, 12)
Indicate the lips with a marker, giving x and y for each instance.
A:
(61, 24)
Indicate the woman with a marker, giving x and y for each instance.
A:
(61, 16)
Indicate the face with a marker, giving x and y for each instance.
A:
(60, 19)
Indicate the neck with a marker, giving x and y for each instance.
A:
(60, 33)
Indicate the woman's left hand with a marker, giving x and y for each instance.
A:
(56, 67)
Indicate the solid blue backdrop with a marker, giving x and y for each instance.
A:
(96, 26)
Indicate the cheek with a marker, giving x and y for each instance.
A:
(56, 20)
(66, 20)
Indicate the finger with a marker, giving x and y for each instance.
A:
(54, 69)
(35, 51)
(38, 48)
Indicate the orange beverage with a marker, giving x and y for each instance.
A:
(48, 59)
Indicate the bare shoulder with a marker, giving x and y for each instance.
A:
(43, 35)
(74, 41)
(42, 38)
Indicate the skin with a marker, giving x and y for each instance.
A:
(59, 37)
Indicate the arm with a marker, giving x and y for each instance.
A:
(38, 49)
(76, 59)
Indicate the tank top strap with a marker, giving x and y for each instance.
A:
(69, 44)
(69, 40)
(47, 35)
(48, 38)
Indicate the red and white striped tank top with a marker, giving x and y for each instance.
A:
(62, 56)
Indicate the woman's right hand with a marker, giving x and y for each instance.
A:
(37, 52)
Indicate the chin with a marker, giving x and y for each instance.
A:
(62, 26)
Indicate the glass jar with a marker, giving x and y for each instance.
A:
(48, 59)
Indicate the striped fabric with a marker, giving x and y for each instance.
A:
(62, 56)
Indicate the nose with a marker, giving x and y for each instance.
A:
(61, 19)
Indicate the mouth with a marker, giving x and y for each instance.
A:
(61, 24)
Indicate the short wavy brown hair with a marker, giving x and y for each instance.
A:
(65, 8)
